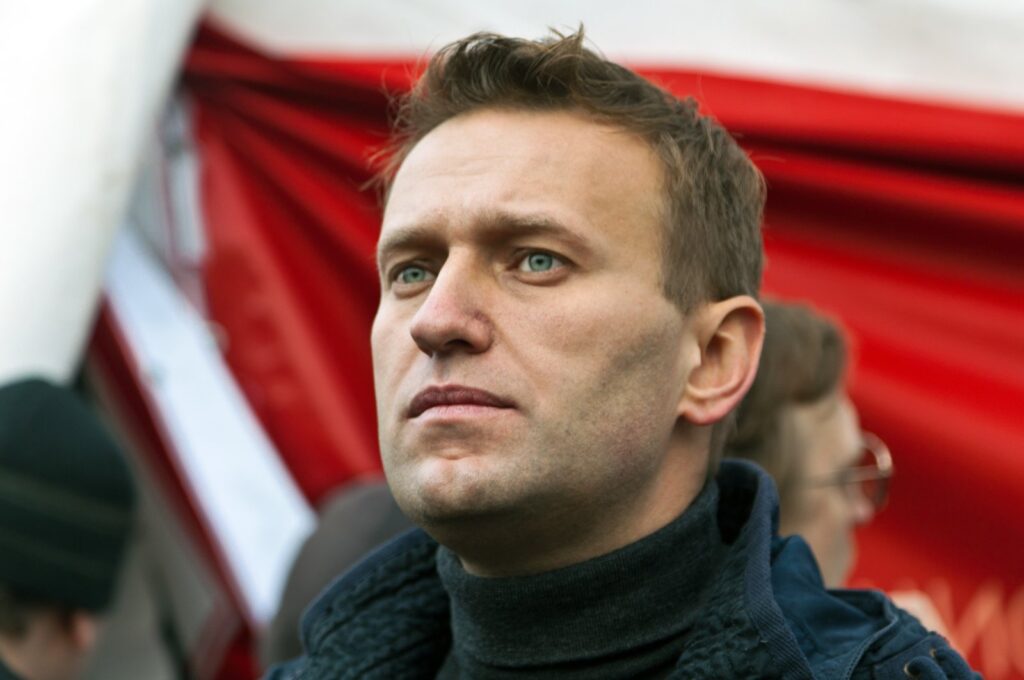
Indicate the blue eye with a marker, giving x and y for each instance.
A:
(539, 262)
(412, 275)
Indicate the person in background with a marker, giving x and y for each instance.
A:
(354, 520)
(799, 425)
(66, 511)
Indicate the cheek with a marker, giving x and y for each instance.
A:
(606, 331)
(830, 515)
(596, 365)
(386, 337)
(392, 350)
(379, 333)
(814, 513)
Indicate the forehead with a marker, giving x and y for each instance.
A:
(560, 165)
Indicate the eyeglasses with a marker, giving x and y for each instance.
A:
(871, 474)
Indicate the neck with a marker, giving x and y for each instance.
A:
(521, 544)
(572, 616)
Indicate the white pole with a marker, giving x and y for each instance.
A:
(82, 85)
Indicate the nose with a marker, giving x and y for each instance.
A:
(452, 318)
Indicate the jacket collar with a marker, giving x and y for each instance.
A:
(397, 590)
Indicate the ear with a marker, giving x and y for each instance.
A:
(83, 630)
(730, 334)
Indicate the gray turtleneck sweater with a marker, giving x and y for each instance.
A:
(624, 614)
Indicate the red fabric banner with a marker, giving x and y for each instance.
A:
(905, 220)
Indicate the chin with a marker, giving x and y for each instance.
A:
(443, 490)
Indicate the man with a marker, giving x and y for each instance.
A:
(66, 500)
(569, 261)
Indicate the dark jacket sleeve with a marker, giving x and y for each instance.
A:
(290, 670)
(931, 658)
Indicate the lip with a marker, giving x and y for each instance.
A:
(454, 395)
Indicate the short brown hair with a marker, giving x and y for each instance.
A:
(803, 361)
(714, 193)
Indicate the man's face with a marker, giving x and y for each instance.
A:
(827, 436)
(526, 360)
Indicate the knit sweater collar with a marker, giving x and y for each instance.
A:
(633, 603)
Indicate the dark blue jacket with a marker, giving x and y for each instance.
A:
(768, 615)
(6, 673)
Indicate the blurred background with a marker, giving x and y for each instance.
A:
(184, 232)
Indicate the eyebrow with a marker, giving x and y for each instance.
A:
(413, 237)
(494, 227)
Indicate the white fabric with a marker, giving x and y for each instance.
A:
(935, 49)
(83, 82)
(253, 508)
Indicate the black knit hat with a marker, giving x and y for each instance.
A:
(66, 497)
